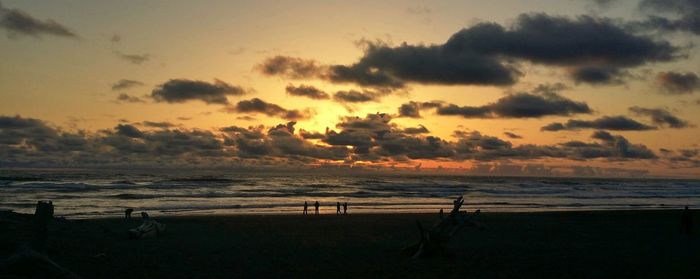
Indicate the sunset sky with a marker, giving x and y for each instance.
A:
(573, 87)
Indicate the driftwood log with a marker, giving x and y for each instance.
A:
(433, 242)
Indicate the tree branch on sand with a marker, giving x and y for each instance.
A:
(433, 242)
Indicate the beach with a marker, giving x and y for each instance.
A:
(583, 244)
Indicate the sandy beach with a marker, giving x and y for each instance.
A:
(610, 244)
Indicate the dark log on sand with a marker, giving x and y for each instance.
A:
(433, 242)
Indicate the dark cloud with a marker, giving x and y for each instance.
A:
(620, 147)
(597, 75)
(512, 135)
(565, 42)
(291, 67)
(374, 139)
(523, 105)
(256, 105)
(123, 97)
(311, 135)
(18, 22)
(678, 83)
(162, 125)
(519, 105)
(183, 90)
(246, 118)
(412, 109)
(123, 84)
(465, 111)
(280, 141)
(307, 91)
(136, 59)
(686, 15)
(616, 123)
(594, 49)
(384, 66)
(661, 116)
(353, 96)
(128, 131)
(33, 140)
(416, 130)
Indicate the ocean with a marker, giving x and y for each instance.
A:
(97, 194)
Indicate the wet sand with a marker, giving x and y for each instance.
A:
(605, 244)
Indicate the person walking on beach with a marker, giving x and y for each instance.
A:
(687, 221)
(337, 208)
(345, 208)
(127, 213)
(316, 205)
(306, 207)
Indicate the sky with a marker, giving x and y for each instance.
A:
(551, 88)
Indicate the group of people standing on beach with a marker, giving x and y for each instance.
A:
(317, 205)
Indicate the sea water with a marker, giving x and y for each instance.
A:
(99, 193)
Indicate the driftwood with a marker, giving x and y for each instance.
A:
(43, 215)
(30, 260)
(434, 241)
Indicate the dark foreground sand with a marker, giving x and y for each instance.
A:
(621, 244)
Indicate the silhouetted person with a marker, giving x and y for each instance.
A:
(337, 208)
(441, 213)
(127, 213)
(306, 208)
(687, 222)
(316, 205)
(345, 208)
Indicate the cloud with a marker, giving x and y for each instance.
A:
(136, 59)
(465, 111)
(128, 131)
(687, 14)
(162, 125)
(518, 105)
(281, 141)
(597, 75)
(416, 130)
(392, 67)
(594, 50)
(621, 147)
(123, 84)
(18, 23)
(678, 83)
(306, 91)
(512, 135)
(290, 67)
(412, 109)
(257, 105)
(354, 96)
(126, 98)
(661, 116)
(183, 90)
(311, 135)
(370, 139)
(29, 139)
(616, 123)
